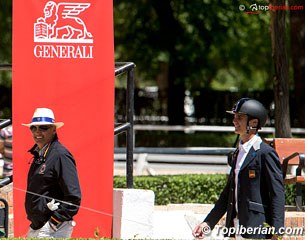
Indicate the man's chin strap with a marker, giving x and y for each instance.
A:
(248, 126)
(236, 141)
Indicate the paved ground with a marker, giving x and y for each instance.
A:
(176, 221)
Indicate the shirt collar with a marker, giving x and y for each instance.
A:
(247, 145)
(41, 151)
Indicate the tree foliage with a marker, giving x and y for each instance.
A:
(213, 44)
(179, 44)
(5, 40)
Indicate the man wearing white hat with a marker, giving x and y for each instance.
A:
(53, 191)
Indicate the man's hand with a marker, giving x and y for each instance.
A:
(53, 205)
(274, 237)
(200, 230)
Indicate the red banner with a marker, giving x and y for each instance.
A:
(63, 59)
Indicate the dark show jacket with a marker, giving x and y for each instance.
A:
(261, 196)
(56, 178)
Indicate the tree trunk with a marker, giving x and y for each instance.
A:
(175, 103)
(162, 83)
(281, 75)
(169, 30)
(297, 35)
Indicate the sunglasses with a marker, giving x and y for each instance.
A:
(41, 128)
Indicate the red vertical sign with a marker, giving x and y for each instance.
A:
(63, 59)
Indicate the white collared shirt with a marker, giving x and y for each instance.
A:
(242, 154)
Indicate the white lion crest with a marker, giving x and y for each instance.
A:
(61, 22)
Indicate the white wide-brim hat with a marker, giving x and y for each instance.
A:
(43, 116)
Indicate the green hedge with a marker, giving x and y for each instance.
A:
(190, 188)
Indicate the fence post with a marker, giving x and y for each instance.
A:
(130, 116)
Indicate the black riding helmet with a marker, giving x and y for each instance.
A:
(254, 109)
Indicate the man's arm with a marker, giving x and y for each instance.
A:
(219, 208)
(274, 179)
(70, 186)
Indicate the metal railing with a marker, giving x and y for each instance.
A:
(5, 123)
(205, 128)
(180, 150)
(120, 68)
(160, 160)
(5, 67)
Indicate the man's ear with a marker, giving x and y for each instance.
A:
(253, 123)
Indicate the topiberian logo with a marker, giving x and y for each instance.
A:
(62, 33)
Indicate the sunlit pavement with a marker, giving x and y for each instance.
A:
(176, 221)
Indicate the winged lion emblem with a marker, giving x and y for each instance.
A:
(62, 21)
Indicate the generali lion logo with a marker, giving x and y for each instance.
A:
(62, 24)
(62, 33)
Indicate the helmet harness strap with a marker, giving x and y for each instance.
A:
(249, 127)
